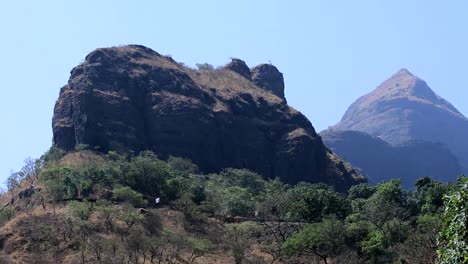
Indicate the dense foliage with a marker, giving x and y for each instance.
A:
(454, 236)
(291, 224)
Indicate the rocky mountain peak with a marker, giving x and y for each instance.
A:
(404, 84)
(239, 66)
(403, 109)
(269, 78)
(403, 72)
(131, 98)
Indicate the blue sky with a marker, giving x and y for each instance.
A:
(330, 52)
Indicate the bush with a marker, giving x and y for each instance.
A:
(453, 244)
(205, 66)
(6, 213)
(182, 165)
(126, 194)
(238, 201)
(146, 174)
(82, 210)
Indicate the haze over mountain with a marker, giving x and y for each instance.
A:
(132, 99)
(404, 109)
(380, 161)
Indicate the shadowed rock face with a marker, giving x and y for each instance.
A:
(132, 98)
(268, 77)
(239, 66)
(403, 109)
(380, 161)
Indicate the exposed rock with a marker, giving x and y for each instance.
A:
(26, 193)
(239, 66)
(403, 109)
(132, 99)
(142, 211)
(380, 161)
(269, 78)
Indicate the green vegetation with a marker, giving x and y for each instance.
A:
(205, 66)
(454, 236)
(111, 214)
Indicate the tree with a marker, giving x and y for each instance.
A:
(99, 245)
(13, 181)
(6, 213)
(126, 194)
(130, 218)
(81, 210)
(310, 203)
(362, 191)
(154, 248)
(385, 210)
(238, 201)
(453, 239)
(275, 222)
(53, 155)
(322, 239)
(243, 178)
(152, 223)
(108, 213)
(146, 174)
(198, 247)
(389, 221)
(30, 169)
(429, 195)
(54, 192)
(239, 238)
(205, 66)
(182, 165)
(421, 245)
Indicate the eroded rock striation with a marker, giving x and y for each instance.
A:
(132, 98)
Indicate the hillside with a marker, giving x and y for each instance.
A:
(155, 162)
(381, 161)
(86, 207)
(404, 109)
(131, 98)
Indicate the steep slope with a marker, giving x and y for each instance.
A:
(132, 98)
(403, 109)
(381, 161)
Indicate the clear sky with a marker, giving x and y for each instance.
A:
(330, 52)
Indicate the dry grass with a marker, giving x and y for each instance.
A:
(83, 159)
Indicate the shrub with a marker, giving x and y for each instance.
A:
(453, 244)
(6, 213)
(205, 66)
(126, 194)
(82, 210)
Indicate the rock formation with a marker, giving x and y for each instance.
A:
(268, 77)
(131, 98)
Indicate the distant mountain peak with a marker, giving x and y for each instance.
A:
(403, 72)
(405, 86)
(404, 108)
(404, 83)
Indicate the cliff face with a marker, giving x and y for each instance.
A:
(403, 109)
(381, 161)
(132, 98)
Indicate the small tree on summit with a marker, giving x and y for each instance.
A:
(205, 66)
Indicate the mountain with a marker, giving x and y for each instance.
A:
(131, 98)
(381, 161)
(404, 109)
